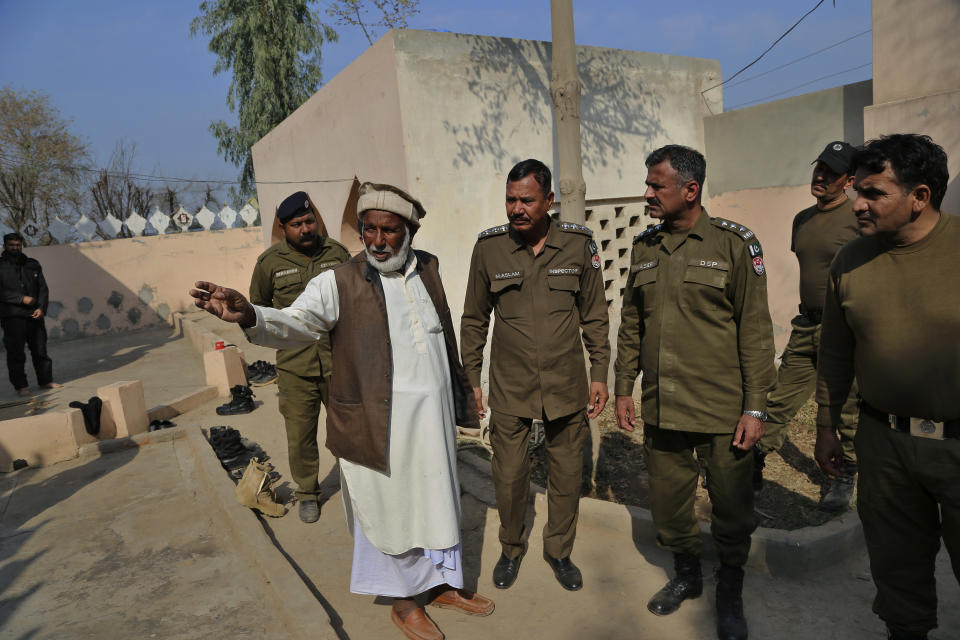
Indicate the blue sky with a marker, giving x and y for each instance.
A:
(129, 68)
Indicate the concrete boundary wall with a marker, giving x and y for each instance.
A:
(119, 285)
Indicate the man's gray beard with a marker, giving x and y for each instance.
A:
(394, 263)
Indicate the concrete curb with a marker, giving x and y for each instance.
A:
(781, 553)
(293, 602)
(184, 403)
(96, 449)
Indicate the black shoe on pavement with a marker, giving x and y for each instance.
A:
(759, 462)
(566, 572)
(505, 571)
(242, 402)
(731, 625)
(261, 373)
(687, 584)
(309, 511)
(838, 497)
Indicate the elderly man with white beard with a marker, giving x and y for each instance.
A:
(396, 394)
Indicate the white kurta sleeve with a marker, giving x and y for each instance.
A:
(313, 313)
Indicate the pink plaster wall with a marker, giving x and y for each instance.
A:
(769, 213)
(118, 285)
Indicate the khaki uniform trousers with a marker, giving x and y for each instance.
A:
(673, 488)
(908, 498)
(300, 400)
(564, 439)
(796, 382)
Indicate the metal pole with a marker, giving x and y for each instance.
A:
(565, 90)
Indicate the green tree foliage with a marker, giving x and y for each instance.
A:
(392, 14)
(273, 49)
(41, 162)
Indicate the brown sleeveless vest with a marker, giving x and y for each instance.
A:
(358, 414)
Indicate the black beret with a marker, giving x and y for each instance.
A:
(293, 206)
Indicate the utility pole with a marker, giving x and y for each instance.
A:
(565, 90)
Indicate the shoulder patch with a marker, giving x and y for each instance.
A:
(575, 228)
(493, 231)
(733, 227)
(647, 233)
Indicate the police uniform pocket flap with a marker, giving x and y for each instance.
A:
(563, 283)
(712, 273)
(505, 280)
(286, 277)
(645, 276)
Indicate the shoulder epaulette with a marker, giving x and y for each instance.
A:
(733, 227)
(575, 228)
(647, 233)
(493, 231)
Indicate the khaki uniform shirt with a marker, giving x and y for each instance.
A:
(695, 321)
(892, 316)
(816, 238)
(281, 274)
(541, 304)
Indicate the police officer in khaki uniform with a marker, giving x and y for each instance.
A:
(542, 280)
(695, 322)
(281, 274)
(891, 320)
(818, 233)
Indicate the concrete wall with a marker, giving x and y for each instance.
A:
(917, 89)
(758, 173)
(915, 48)
(773, 144)
(473, 106)
(350, 128)
(117, 285)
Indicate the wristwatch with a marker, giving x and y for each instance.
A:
(759, 415)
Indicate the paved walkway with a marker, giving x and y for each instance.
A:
(148, 543)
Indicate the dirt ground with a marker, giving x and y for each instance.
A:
(792, 481)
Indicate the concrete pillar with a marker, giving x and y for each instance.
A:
(565, 90)
(124, 410)
(224, 369)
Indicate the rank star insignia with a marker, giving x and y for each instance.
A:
(758, 265)
(595, 261)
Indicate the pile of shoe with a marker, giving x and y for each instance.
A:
(242, 402)
(261, 372)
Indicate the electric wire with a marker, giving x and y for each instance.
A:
(799, 86)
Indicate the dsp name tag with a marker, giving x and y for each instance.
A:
(709, 264)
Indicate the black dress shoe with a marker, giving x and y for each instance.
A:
(505, 571)
(687, 584)
(566, 572)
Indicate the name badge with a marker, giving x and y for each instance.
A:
(643, 266)
(709, 264)
(506, 275)
(564, 271)
(285, 272)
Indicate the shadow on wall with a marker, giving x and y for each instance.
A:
(616, 102)
(87, 300)
(23, 502)
(349, 236)
(951, 201)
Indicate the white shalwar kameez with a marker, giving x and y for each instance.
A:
(408, 539)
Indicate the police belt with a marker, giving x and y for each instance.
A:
(915, 426)
(813, 315)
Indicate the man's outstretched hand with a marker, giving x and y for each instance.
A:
(227, 304)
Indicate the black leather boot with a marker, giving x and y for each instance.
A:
(688, 583)
(731, 625)
(242, 402)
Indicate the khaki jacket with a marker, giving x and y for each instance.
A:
(541, 304)
(280, 275)
(695, 321)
